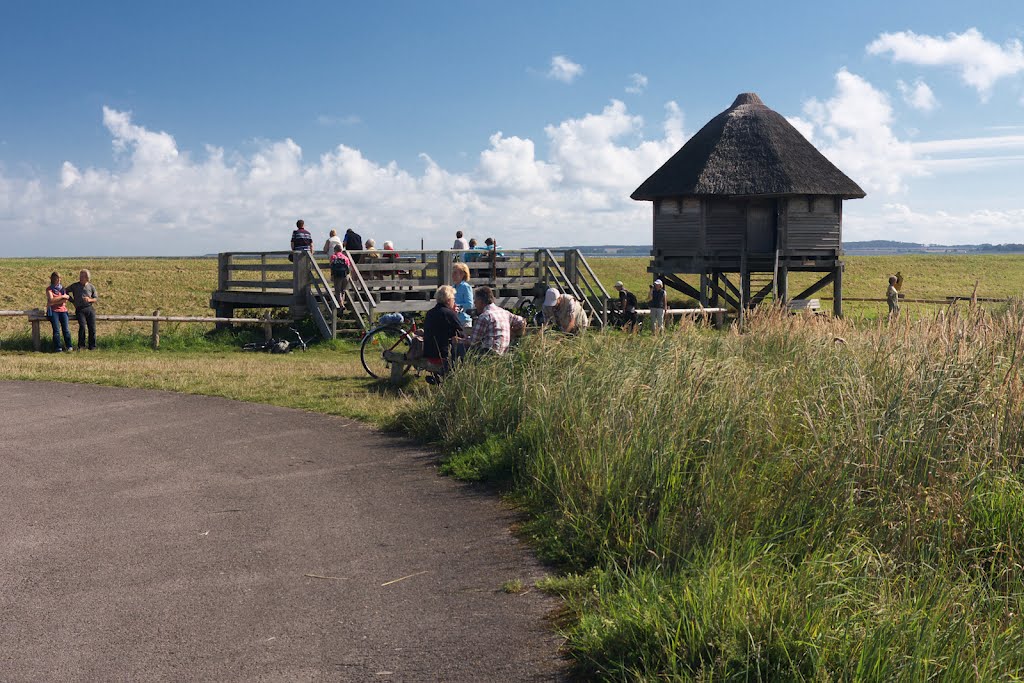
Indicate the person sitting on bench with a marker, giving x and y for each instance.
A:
(440, 328)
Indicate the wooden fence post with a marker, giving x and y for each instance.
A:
(268, 329)
(156, 330)
(37, 343)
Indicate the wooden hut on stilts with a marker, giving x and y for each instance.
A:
(748, 198)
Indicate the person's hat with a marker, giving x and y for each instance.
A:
(619, 285)
(659, 282)
(551, 297)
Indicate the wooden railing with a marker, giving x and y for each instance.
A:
(37, 316)
(386, 281)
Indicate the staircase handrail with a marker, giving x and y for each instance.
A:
(325, 290)
(590, 275)
(571, 286)
(361, 292)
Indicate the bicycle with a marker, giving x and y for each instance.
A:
(278, 345)
(619, 319)
(533, 315)
(389, 334)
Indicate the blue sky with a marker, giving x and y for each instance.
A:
(182, 128)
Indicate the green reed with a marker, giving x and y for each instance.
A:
(805, 500)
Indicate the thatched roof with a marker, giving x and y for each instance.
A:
(747, 150)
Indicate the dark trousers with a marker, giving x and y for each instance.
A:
(86, 319)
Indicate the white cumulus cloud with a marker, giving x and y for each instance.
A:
(637, 84)
(155, 198)
(564, 69)
(979, 62)
(918, 95)
(853, 129)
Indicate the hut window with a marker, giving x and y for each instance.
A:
(691, 206)
(669, 207)
(824, 205)
(798, 205)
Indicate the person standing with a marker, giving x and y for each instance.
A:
(658, 306)
(301, 239)
(341, 271)
(332, 241)
(892, 297)
(57, 312)
(353, 242)
(83, 296)
(460, 242)
(627, 304)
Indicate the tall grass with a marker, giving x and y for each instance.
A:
(806, 500)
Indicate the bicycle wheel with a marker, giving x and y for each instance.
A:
(375, 343)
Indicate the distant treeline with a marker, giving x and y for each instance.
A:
(865, 248)
(892, 247)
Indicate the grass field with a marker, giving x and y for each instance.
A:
(183, 286)
(771, 505)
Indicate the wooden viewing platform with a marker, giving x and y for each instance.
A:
(385, 282)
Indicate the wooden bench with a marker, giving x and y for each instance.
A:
(400, 365)
(797, 305)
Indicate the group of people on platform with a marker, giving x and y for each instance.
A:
(83, 296)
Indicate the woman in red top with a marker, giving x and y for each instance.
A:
(57, 312)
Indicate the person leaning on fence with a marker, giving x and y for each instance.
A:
(658, 306)
(83, 296)
(370, 258)
(332, 241)
(301, 239)
(441, 328)
(494, 326)
(57, 312)
(341, 273)
(353, 242)
(570, 316)
(892, 297)
(463, 292)
(472, 254)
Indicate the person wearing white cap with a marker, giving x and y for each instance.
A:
(627, 305)
(658, 306)
(548, 308)
(569, 315)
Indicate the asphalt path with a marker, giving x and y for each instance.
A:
(156, 536)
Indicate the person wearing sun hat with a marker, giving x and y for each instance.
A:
(658, 306)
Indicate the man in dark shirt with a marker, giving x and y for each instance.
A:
(301, 239)
(353, 241)
(83, 295)
(627, 304)
(439, 327)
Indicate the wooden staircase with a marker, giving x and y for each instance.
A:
(380, 283)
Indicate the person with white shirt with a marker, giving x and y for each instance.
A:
(331, 242)
(460, 242)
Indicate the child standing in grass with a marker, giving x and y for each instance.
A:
(892, 296)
